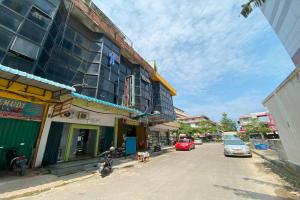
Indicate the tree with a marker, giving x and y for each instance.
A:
(255, 126)
(185, 129)
(227, 124)
(248, 7)
(206, 126)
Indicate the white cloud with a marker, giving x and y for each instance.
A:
(197, 43)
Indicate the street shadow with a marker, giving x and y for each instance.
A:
(252, 195)
(282, 172)
(263, 182)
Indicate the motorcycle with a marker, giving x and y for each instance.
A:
(15, 161)
(105, 167)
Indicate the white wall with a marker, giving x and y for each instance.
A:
(94, 119)
(284, 17)
(284, 105)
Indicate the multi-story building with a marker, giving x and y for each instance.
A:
(72, 42)
(284, 102)
(180, 114)
(193, 121)
(264, 117)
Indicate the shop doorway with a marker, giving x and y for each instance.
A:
(82, 142)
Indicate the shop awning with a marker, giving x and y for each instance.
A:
(105, 103)
(14, 75)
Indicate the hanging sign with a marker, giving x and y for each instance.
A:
(11, 108)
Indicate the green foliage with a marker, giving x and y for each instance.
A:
(206, 126)
(185, 129)
(248, 7)
(227, 124)
(255, 126)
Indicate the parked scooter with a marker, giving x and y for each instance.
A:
(15, 161)
(157, 148)
(105, 167)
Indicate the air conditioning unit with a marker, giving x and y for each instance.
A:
(69, 114)
(83, 115)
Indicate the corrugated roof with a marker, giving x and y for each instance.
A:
(31, 79)
(91, 99)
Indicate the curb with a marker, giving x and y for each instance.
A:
(278, 164)
(48, 186)
(42, 188)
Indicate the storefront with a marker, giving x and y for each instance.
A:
(160, 134)
(79, 128)
(24, 101)
(20, 123)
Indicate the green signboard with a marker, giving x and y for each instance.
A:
(11, 108)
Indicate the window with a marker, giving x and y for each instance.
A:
(88, 92)
(32, 32)
(46, 7)
(74, 63)
(78, 78)
(93, 68)
(104, 72)
(96, 47)
(91, 80)
(39, 18)
(94, 57)
(5, 38)
(49, 43)
(67, 45)
(9, 19)
(25, 48)
(20, 7)
(44, 57)
(18, 62)
(108, 86)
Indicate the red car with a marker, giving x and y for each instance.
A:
(185, 144)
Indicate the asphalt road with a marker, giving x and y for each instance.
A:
(203, 173)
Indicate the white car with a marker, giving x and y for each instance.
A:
(236, 147)
(198, 141)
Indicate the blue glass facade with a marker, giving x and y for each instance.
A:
(42, 38)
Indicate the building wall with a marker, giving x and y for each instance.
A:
(284, 106)
(41, 37)
(284, 17)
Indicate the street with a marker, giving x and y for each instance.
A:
(203, 173)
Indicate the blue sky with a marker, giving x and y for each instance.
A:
(217, 61)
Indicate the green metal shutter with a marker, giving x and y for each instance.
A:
(13, 132)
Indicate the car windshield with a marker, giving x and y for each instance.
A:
(234, 142)
(184, 140)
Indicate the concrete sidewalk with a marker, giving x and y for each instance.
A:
(281, 167)
(12, 187)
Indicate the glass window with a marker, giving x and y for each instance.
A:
(96, 47)
(104, 72)
(53, 30)
(32, 32)
(39, 18)
(88, 92)
(83, 67)
(77, 51)
(69, 33)
(20, 7)
(104, 60)
(49, 43)
(46, 7)
(91, 80)
(55, 2)
(93, 68)
(94, 57)
(108, 86)
(2, 53)
(67, 44)
(78, 78)
(74, 63)
(18, 62)
(5, 38)
(25, 48)
(44, 57)
(9, 19)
